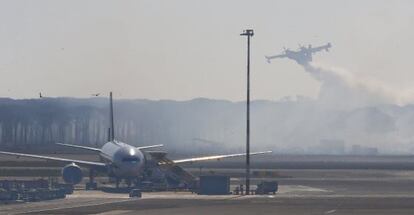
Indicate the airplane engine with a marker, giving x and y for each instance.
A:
(72, 174)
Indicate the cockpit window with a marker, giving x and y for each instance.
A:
(130, 159)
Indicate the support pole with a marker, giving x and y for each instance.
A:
(249, 33)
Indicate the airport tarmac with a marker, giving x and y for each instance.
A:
(300, 192)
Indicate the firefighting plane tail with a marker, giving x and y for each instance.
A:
(302, 56)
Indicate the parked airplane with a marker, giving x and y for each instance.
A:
(302, 56)
(122, 161)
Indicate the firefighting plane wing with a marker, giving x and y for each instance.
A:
(268, 58)
(320, 48)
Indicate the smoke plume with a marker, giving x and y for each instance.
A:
(341, 89)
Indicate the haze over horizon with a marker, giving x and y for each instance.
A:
(190, 49)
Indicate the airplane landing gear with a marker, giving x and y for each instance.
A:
(117, 181)
(91, 185)
(137, 183)
(128, 182)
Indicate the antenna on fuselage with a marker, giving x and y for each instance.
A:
(111, 116)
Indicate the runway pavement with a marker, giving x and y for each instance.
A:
(303, 192)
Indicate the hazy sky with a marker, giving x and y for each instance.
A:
(186, 49)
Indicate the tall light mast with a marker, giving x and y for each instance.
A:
(248, 33)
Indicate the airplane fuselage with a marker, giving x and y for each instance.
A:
(301, 57)
(124, 161)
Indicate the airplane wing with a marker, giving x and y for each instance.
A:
(79, 147)
(320, 48)
(64, 160)
(150, 147)
(268, 58)
(216, 157)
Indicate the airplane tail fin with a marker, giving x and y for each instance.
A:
(111, 118)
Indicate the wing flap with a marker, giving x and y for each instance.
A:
(216, 157)
(65, 160)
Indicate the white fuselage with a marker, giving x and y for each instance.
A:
(124, 161)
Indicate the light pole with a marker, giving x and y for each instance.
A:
(249, 33)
